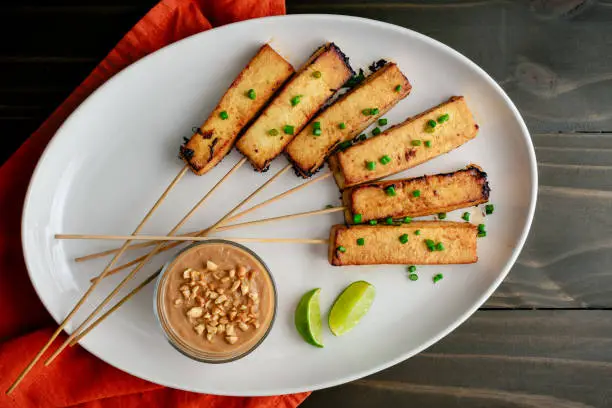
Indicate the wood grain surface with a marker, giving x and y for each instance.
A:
(554, 59)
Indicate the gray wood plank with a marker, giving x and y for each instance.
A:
(554, 58)
(556, 359)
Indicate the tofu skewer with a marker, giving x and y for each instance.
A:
(436, 194)
(453, 243)
(347, 117)
(415, 141)
(247, 95)
(299, 100)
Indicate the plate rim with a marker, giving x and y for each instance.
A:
(334, 17)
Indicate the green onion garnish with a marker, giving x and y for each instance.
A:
(362, 137)
(288, 129)
(416, 193)
(341, 249)
(441, 216)
(443, 118)
(430, 244)
(413, 276)
(466, 216)
(439, 246)
(376, 131)
(417, 232)
(403, 238)
(296, 99)
(374, 111)
(382, 122)
(357, 218)
(367, 111)
(407, 220)
(482, 234)
(373, 222)
(428, 143)
(370, 165)
(317, 132)
(345, 145)
(398, 88)
(489, 209)
(415, 142)
(385, 159)
(481, 227)
(389, 220)
(251, 94)
(273, 132)
(360, 241)
(412, 268)
(431, 123)
(223, 115)
(437, 277)
(390, 191)
(316, 74)
(316, 125)
(342, 125)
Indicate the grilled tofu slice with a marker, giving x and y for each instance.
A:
(438, 193)
(308, 151)
(407, 144)
(295, 105)
(264, 74)
(382, 244)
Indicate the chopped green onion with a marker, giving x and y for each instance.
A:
(441, 216)
(367, 111)
(316, 125)
(385, 159)
(443, 118)
(273, 132)
(357, 218)
(412, 268)
(382, 122)
(341, 249)
(296, 99)
(403, 238)
(316, 74)
(413, 277)
(407, 220)
(251, 94)
(430, 244)
(374, 111)
(398, 88)
(437, 277)
(390, 191)
(482, 234)
(466, 216)
(360, 241)
(431, 123)
(288, 129)
(481, 227)
(415, 142)
(317, 132)
(439, 246)
(389, 220)
(371, 165)
(345, 145)
(376, 131)
(417, 232)
(223, 115)
(489, 209)
(428, 143)
(373, 222)
(342, 125)
(362, 137)
(416, 193)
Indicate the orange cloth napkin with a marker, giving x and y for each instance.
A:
(77, 378)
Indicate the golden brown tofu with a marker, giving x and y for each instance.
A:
(406, 145)
(294, 105)
(264, 74)
(382, 244)
(308, 151)
(437, 194)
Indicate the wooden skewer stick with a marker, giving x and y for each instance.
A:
(193, 234)
(172, 245)
(154, 251)
(76, 307)
(133, 272)
(183, 239)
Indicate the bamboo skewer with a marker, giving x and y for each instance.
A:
(133, 272)
(154, 251)
(183, 239)
(193, 234)
(76, 307)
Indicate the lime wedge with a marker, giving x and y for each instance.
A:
(352, 304)
(308, 318)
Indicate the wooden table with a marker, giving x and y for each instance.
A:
(544, 339)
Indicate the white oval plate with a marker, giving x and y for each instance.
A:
(115, 155)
